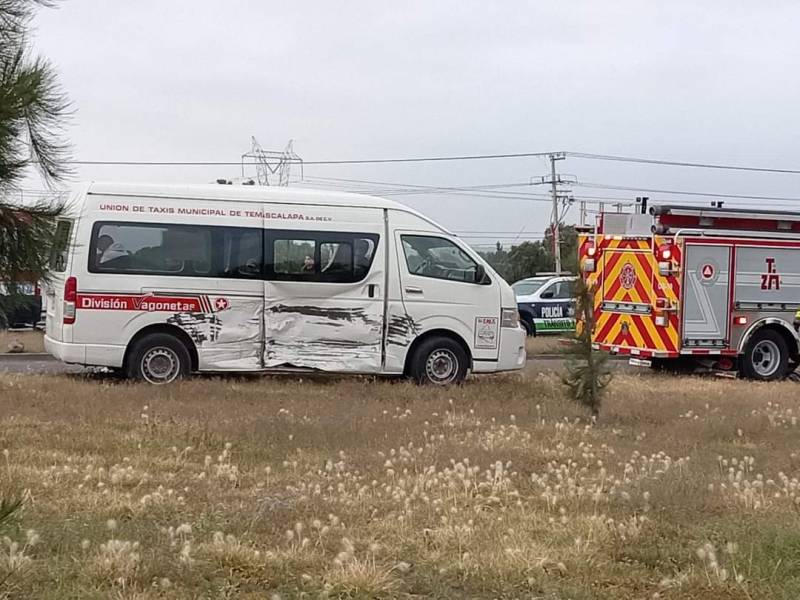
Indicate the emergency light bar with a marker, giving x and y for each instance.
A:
(733, 219)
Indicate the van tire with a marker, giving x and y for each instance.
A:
(766, 356)
(439, 361)
(158, 358)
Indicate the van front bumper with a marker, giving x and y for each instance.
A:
(511, 356)
(512, 349)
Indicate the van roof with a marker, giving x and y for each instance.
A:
(245, 193)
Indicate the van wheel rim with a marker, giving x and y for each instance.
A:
(441, 366)
(160, 365)
(766, 358)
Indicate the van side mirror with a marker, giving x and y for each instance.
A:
(481, 278)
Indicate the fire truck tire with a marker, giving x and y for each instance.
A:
(766, 357)
(159, 358)
(439, 361)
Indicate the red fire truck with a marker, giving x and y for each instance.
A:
(711, 288)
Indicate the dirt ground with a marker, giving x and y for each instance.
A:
(32, 340)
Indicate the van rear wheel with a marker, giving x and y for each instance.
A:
(439, 361)
(159, 358)
(766, 357)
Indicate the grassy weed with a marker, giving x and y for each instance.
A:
(501, 488)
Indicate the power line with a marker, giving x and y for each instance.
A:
(604, 186)
(358, 161)
(679, 163)
(417, 188)
(434, 190)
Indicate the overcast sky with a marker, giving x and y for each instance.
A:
(701, 81)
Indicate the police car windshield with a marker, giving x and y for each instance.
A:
(525, 288)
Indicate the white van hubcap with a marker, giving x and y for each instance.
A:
(766, 358)
(160, 365)
(441, 366)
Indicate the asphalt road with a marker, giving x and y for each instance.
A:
(43, 365)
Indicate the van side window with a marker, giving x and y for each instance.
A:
(319, 256)
(429, 256)
(294, 257)
(150, 249)
(242, 252)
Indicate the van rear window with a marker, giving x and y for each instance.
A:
(60, 247)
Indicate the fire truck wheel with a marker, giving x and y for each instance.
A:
(159, 358)
(439, 361)
(766, 357)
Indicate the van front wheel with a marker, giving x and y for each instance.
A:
(158, 359)
(439, 361)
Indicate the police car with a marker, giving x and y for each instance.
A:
(545, 304)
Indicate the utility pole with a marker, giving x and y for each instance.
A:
(554, 191)
(559, 195)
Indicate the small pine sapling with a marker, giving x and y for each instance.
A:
(587, 371)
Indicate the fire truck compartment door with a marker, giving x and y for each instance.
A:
(767, 276)
(706, 294)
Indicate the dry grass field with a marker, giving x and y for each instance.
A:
(33, 340)
(282, 488)
(546, 344)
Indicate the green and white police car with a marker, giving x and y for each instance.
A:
(546, 304)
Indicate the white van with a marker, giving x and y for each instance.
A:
(160, 281)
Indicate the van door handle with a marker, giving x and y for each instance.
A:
(371, 290)
(412, 289)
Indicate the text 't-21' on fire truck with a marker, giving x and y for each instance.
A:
(715, 288)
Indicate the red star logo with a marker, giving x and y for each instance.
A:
(221, 303)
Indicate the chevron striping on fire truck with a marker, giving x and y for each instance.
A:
(708, 288)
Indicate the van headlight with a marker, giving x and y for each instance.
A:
(509, 318)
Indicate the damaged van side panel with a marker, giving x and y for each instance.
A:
(344, 336)
(328, 313)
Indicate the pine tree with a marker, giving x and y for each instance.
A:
(587, 371)
(33, 110)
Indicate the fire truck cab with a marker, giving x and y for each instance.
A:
(712, 288)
